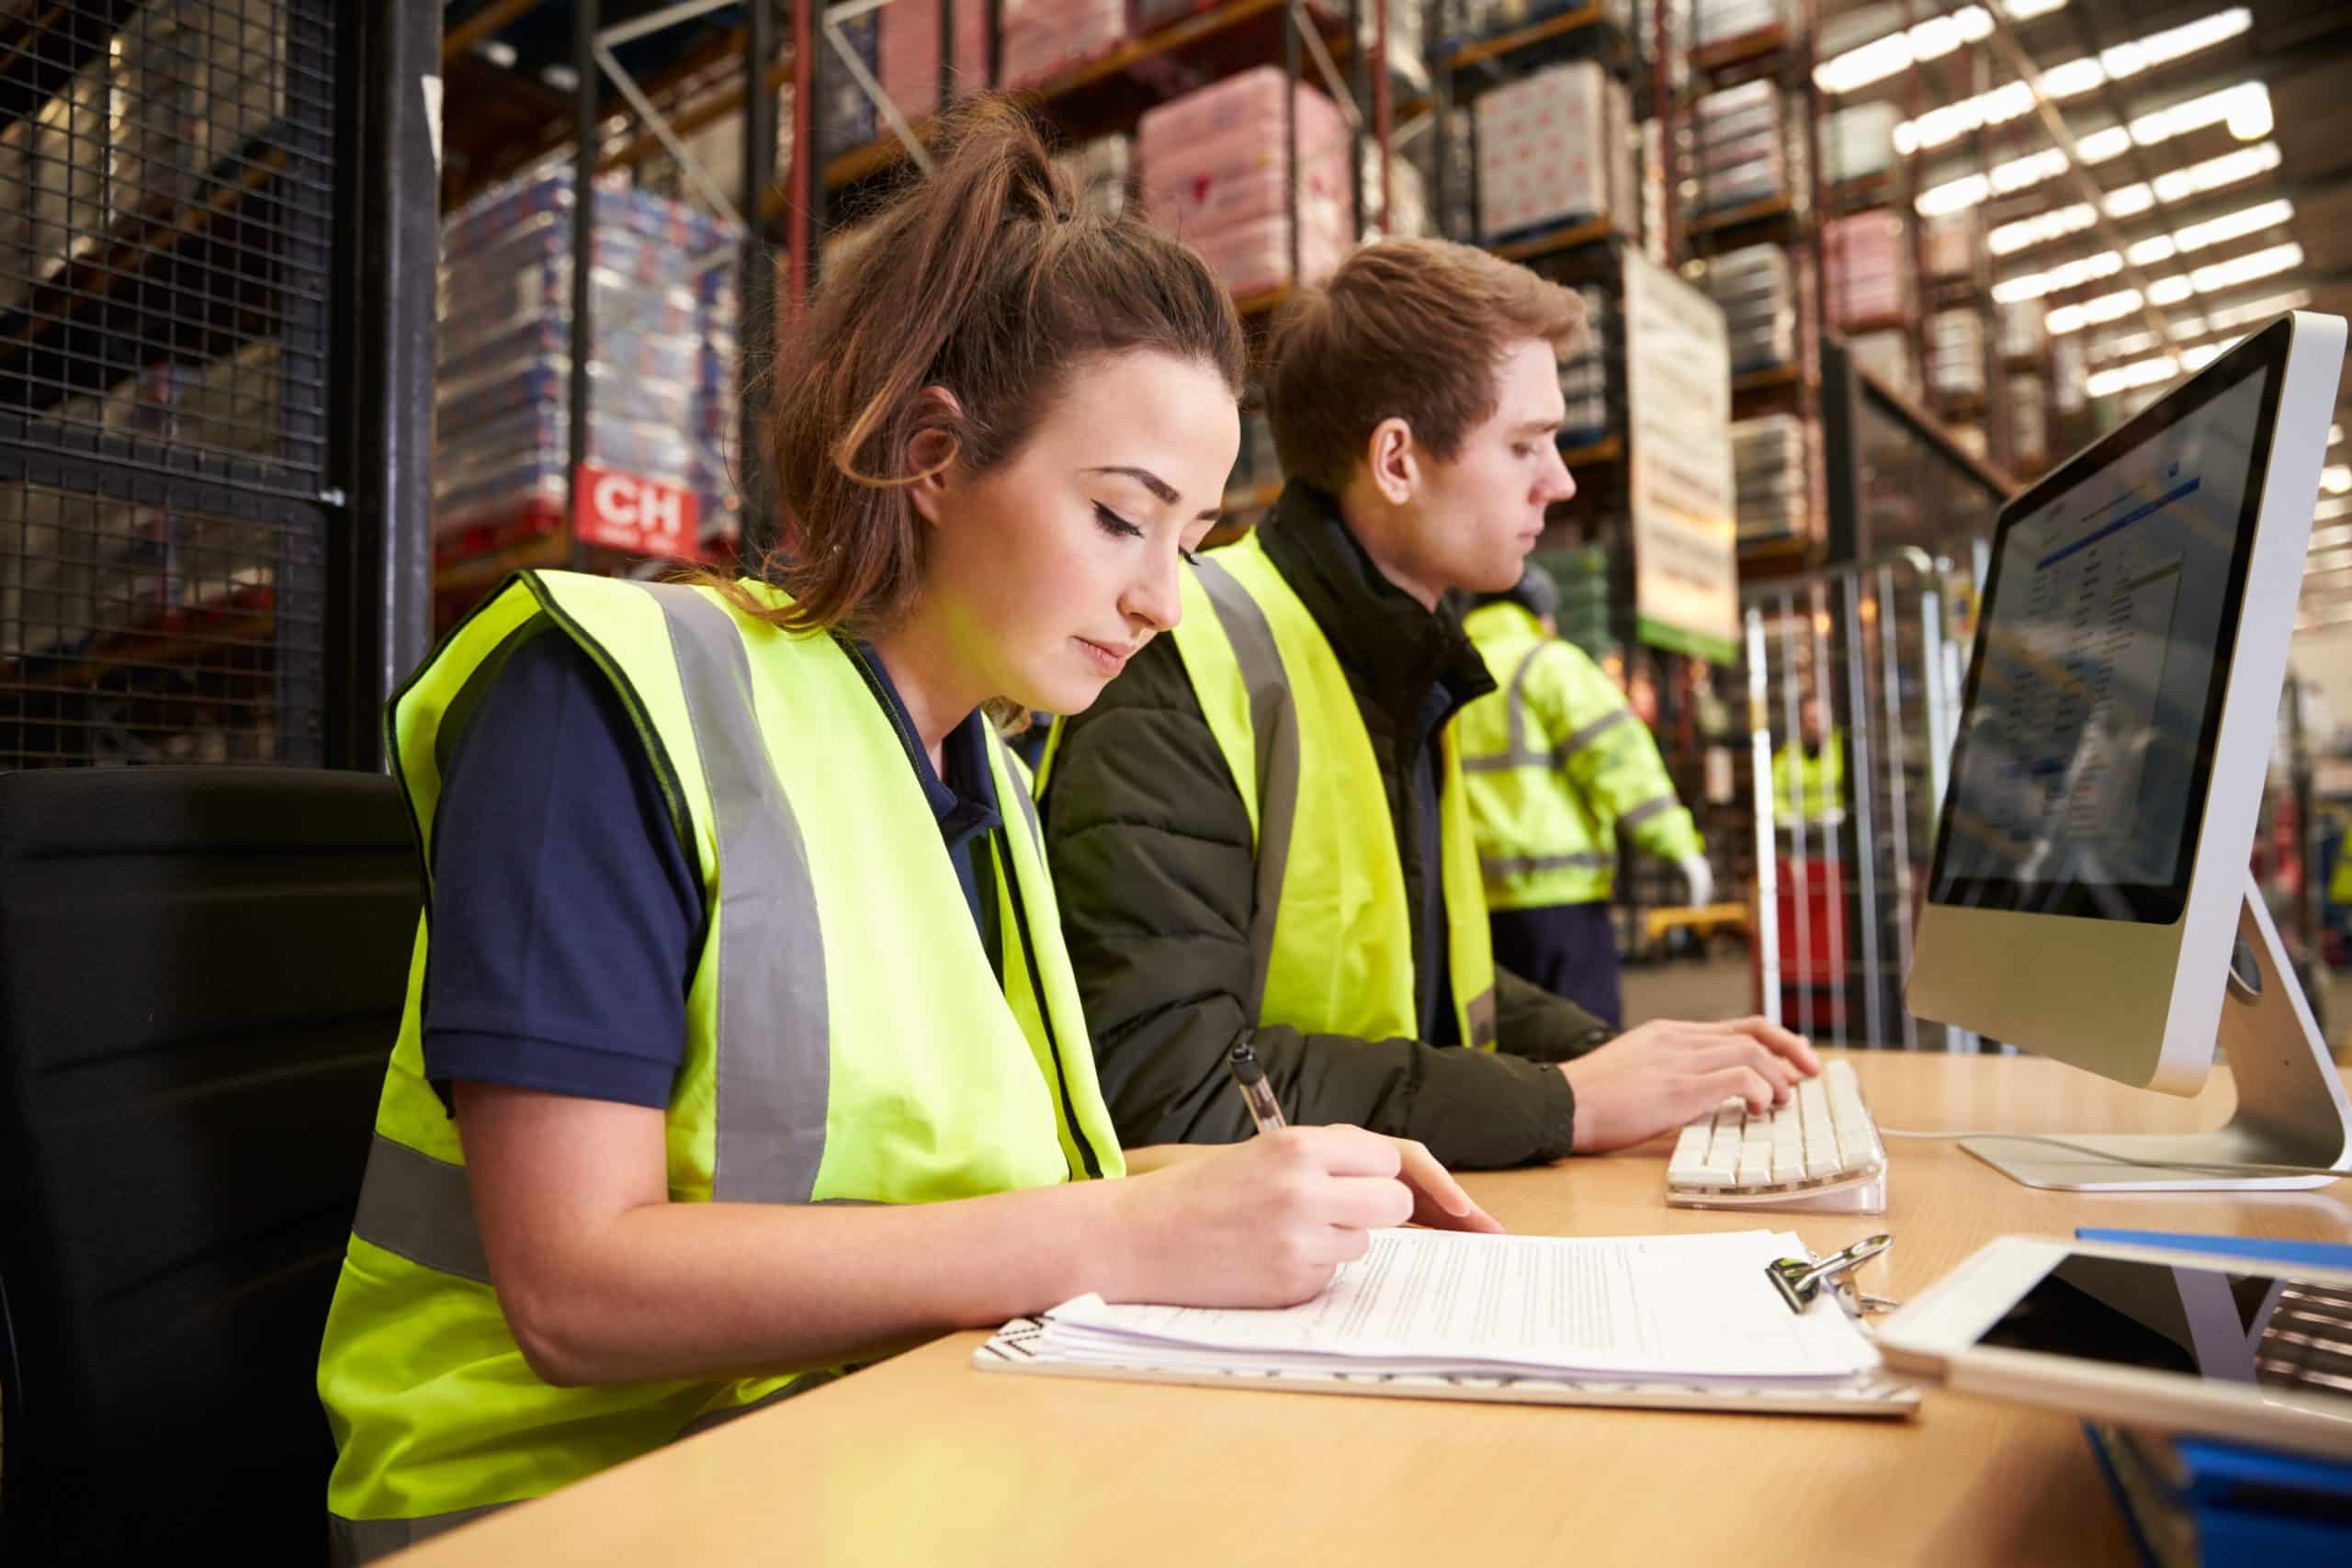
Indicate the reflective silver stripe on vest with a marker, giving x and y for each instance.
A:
(774, 1057)
(1275, 721)
(1648, 810)
(1527, 865)
(420, 1208)
(1481, 1014)
(353, 1541)
(1520, 755)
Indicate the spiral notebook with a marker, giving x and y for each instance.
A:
(1682, 1322)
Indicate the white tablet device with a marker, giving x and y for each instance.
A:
(2228, 1348)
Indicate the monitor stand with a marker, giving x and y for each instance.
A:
(2291, 1106)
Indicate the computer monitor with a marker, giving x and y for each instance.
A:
(2090, 898)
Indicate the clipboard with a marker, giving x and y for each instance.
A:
(1870, 1395)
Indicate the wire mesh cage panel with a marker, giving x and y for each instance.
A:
(165, 196)
(1854, 680)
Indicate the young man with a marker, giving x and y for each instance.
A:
(1556, 765)
(1260, 829)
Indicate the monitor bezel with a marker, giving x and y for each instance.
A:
(2264, 352)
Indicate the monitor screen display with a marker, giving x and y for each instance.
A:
(2087, 736)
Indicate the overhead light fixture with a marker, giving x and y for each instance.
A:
(2139, 373)
(559, 76)
(2336, 480)
(1930, 40)
(2334, 436)
(497, 51)
(2091, 313)
(2102, 146)
(2057, 280)
(2072, 79)
(2041, 229)
(2262, 310)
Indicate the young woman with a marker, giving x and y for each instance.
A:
(741, 1044)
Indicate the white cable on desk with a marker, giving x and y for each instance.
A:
(2237, 1168)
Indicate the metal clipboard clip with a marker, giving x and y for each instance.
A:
(1800, 1280)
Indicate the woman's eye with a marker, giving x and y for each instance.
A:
(1114, 524)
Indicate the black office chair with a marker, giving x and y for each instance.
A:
(201, 972)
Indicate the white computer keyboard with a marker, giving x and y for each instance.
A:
(1820, 1152)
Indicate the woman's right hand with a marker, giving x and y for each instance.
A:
(1263, 1224)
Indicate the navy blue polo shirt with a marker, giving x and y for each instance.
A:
(567, 917)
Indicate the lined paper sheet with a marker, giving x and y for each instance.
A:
(1436, 1301)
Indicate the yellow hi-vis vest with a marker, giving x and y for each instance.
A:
(1556, 765)
(1810, 786)
(1330, 928)
(847, 1040)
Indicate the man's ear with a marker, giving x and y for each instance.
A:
(931, 452)
(1391, 461)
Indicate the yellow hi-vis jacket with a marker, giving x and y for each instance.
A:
(1810, 786)
(847, 1040)
(1331, 930)
(1557, 765)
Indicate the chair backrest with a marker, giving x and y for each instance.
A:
(201, 972)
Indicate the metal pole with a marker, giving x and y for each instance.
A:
(1760, 748)
(1381, 128)
(1862, 788)
(755, 314)
(808, 179)
(1290, 134)
(585, 131)
(1358, 89)
(380, 551)
(1441, 117)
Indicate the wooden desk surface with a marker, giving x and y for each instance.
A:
(922, 1459)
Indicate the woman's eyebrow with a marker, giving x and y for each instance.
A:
(1160, 487)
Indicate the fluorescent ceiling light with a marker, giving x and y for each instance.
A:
(2139, 373)
(2099, 147)
(2058, 280)
(1930, 40)
(2336, 480)
(2036, 231)
(2071, 79)
(497, 51)
(2091, 313)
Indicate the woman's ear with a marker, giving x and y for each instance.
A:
(931, 451)
(1393, 461)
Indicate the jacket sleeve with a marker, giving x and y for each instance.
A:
(1540, 1025)
(1151, 855)
(1608, 753)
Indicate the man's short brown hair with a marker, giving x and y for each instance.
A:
(1406, 329)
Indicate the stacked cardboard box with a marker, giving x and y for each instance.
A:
(663, 315)
(1857, 143)
(1215, 173)
(1103, 169)
(1757, 290)
(1555, 147)
(907, 51)
(1770, 477)
(1869, 268)
(1748, 146)
(1041, 38)
(1584, 378)
(1956, 354)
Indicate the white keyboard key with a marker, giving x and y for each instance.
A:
(1754, 1175)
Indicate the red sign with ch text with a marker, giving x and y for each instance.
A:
(640, 515)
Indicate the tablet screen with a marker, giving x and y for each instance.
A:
(2266, 1328)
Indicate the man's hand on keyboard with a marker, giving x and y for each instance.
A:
(1653, 1078)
